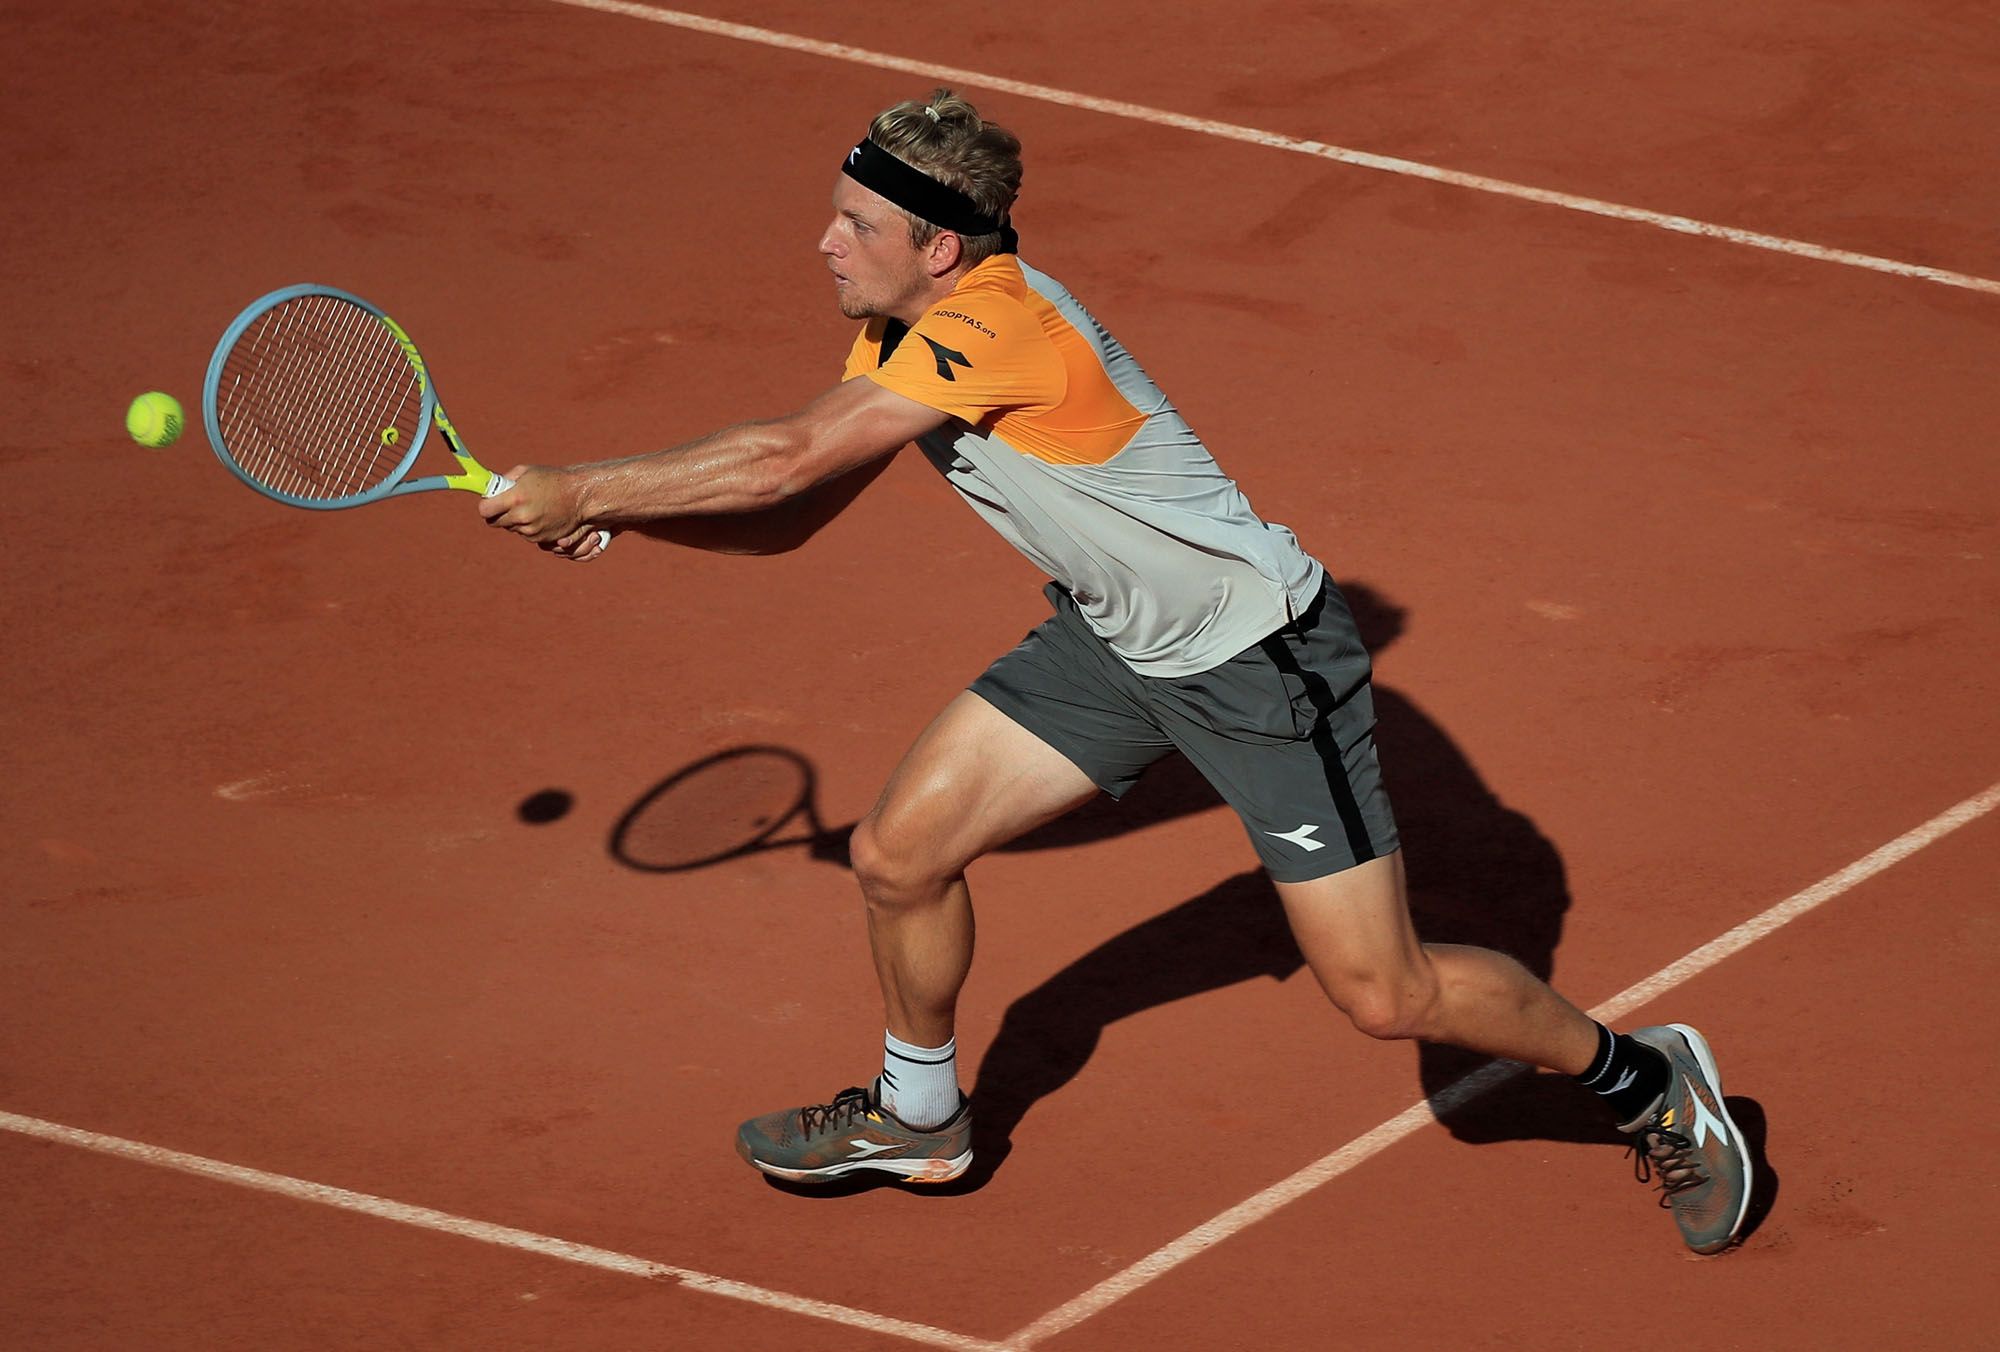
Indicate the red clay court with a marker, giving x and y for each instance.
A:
(1635, 368)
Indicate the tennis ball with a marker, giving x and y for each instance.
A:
(154, 419)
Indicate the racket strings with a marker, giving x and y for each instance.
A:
(318, 400)
(341, 422)
(356, 329)
(376, 377)
(301, 395)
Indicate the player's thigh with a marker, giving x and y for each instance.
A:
(1285, 731)
(1354, 929)
(973, 780)
(1044, 728)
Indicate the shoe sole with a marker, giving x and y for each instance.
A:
(1706, 1060)
(909, 1171)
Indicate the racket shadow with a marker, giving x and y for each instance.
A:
(737, 802)
(758, 797)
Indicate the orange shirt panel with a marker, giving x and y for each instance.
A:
(995, 353)
(865, 355)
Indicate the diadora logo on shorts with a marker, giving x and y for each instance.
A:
(865, 1149)
(1301, 837)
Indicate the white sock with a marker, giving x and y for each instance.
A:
(919, 1085)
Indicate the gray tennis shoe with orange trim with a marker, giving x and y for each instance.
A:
(1687, 1140)
(826, 1141)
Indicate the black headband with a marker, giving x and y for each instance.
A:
(921, 195)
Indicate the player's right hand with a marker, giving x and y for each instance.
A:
(541, 505)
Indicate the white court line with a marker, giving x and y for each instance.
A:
(1138, 112)
(1420, 1114)
(486, 1233)
(1106, 1293)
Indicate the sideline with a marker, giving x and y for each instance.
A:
(1230, 131)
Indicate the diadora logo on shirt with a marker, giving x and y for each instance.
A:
(1303, 837)
(946, 358)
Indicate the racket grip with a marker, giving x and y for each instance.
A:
(501, 483)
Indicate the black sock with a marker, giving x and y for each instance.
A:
(1627, 1074)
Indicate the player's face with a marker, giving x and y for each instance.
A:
(876, 270)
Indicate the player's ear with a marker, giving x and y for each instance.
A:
(943, 253)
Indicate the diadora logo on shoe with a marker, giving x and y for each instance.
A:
(865, 1149)
(1303, 837)
(1706, 1123)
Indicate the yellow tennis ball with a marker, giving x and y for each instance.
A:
(154, 419)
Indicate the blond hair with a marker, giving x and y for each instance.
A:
(946, 138)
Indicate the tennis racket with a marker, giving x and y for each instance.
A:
(318, 399)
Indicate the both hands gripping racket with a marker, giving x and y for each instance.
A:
(318, 399)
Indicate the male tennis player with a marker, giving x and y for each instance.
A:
(1183, 621)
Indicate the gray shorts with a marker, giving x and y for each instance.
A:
(1284, 730)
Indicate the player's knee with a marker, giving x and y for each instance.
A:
(894, 870)
(1388, 1012)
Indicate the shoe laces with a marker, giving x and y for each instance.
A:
(847, 1105)
(1662, 1152)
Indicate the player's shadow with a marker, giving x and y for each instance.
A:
(1480, 873)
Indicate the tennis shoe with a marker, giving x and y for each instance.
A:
(826, 1141)
(1687, 1141)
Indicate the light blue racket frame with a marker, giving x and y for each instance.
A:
(474, 477)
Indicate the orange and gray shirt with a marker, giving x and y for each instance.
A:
(1068, 449)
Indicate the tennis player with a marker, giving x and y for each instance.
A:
(1183, 621)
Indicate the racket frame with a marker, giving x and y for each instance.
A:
(472, 477)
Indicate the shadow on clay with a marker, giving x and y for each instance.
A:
(1480, 872)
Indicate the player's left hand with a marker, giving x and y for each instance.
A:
(581, 545)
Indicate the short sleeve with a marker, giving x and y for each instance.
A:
(865, 355)
(975, 357)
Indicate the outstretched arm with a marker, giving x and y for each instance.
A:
(776, 530)
(746, 468)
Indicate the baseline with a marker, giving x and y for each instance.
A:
(486, 1232)
(1230, 131)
